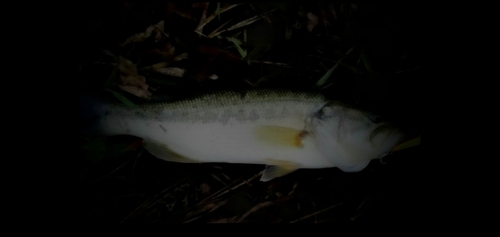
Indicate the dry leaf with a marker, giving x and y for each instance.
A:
(159, 28)
(312, 22)
(141, 37)
(131, 81)
(137, 91)
(213, 77)
(181, 57)
(165, 64)
(205, 188)
(167, 52)
(172, 71)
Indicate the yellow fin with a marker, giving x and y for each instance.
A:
(164, 152)
(278, 168)
(410, 143)
(280, 136)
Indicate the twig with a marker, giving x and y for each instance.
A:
(212, 208)
(242, 183)
(262, 205)
(151, 201)
(254, 209)
(112, 172)
(223, 191)
(315, 213)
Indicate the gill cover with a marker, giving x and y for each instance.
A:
(351, 138)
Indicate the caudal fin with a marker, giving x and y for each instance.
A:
(91, 111)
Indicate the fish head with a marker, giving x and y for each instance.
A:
(350, 138)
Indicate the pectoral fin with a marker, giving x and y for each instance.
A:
(277, 169)
(280, 136)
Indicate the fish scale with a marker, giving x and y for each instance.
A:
(285, 130)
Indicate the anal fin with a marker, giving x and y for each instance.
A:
(278, 168)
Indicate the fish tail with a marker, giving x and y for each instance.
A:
(90, 113)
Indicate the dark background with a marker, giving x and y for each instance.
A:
(382, 73)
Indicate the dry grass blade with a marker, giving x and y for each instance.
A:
(203, 18)
(145, 205)
(165, 64)
(262, 205)
(131, 81)
(225, 190)
(245, 23)
(118, 168)
(210, 207)
(211, 17)
(283, 65)
(172, 71)
(329, 72)
(332, 8)
(212, 197)
(240, 24)
(293, 188)
(155, 66)
(140, 37)
(242, 183)
(216, 31)
(315, 213)
(254, 209)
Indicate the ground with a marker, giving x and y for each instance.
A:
(367, 54)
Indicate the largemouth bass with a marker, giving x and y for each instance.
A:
(283, 129)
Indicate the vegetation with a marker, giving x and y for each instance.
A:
(364, 53)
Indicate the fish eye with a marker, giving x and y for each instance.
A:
(325, 112)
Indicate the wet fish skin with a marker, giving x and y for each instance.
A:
(285, 130)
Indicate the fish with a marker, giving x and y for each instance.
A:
(282, 129)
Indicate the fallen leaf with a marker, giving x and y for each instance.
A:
(312, 22)
(172, 71)
(213, 77)
(205, 188)
(156, 66)
(181, 57)
(159, 28)
(167, 52)
(131, 81)
(141, 37)
(137, 91)
(165, 64)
